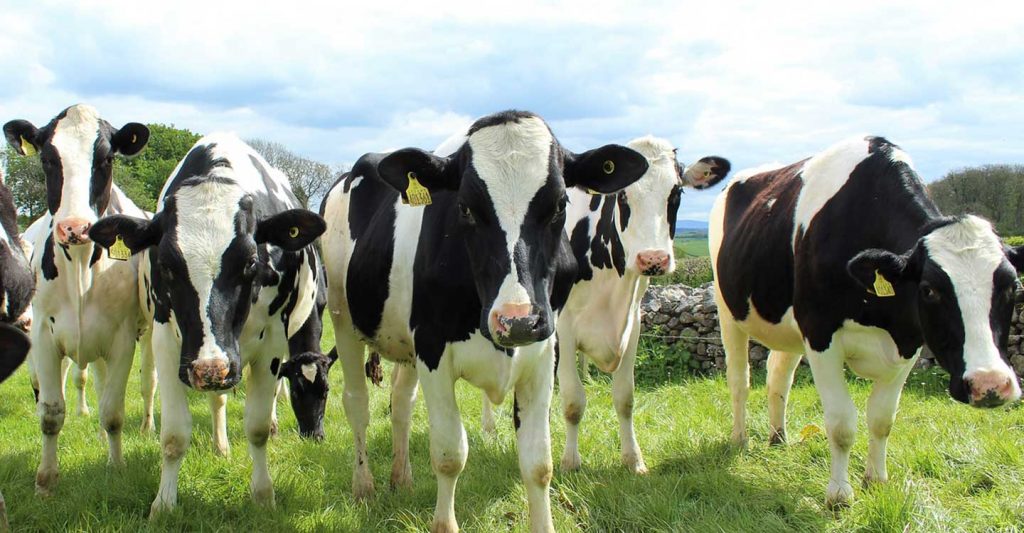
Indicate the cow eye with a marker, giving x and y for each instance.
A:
(929, 294)
(559, 211)
(467, 214)
(250, 268)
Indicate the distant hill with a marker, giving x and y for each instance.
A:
(691, 225)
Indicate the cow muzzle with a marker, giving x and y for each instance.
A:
(72, 231)
(992, 388)
(653, 262)
(516, 325)
(211, 375)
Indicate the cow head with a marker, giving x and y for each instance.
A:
(648, 208)
(963, 282)
(307, 375)
(509, 179)
(77, 150)
(211, 257)
(16, 280)
(14, 345)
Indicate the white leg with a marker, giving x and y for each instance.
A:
(403, 397)
(280, 389)
(533, 436)
(219, 417)
(622, 397)
(448, 447)
(112, 400)
(80, 376)
(840, 420)
(175, 418)
(737, 374)
(259, 401)
(50, 408)
(781, 367)
(356, 399)
(147, 379)
(487, 423)
(574, 398)
(881, 413)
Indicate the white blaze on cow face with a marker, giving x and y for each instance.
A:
(647, 230)
(309, 372)
(512, 160)
(969, 253)
(74, 138)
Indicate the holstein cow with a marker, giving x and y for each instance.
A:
(843, 258)
(16, 286)
(234, 282)
(463, 288)
(86, 305)
(619, 242)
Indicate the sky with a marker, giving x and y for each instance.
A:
(755, 82)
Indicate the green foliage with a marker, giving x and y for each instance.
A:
(24, 176)
(658, 362)
(142, 176)
(995, 192)
(690, 271)
(1014, 240)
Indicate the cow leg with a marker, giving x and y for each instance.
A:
(881, 413)
(147, 379)
(448, 447)
(781, 367)
(259, 401)
(175, 418)
(280, 388)
(737, 374)
(33, 375)
(840, 420)
(50, 408)
(219, 416)
(119, 366)
(533, 434)
(487, 423)
(622, 397)
(403, 397)
(574, 398)
(80, 376)
(356, 400)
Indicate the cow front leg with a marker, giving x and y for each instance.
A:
(175, 418)
(147, 380)
(50, 408)
(881, 413)
(356, 400)
(112, 400)
(737, 374)
(533, 434)
(259, 401)
(840, 421)
(781, 367)
(448, 447)
(403, 398)
(219, 417)
(573, 396)
(622, 397)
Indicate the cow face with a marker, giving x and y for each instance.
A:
(16, 281)
(77, 152)
(210, 260)
(964, 284)
(510, 178)
(648, 208)
(307, 375)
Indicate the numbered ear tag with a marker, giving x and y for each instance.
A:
(883, 289)
(415, 193)
(27, 147)
(119, 250)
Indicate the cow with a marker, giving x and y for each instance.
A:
(843, 258)
(619, 242)
(234, 281)
(467, 287)
(86, 306)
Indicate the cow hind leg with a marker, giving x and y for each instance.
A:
(112, 400)
(737, 373)
(840, 421)
(356, 399)
(533, 434)
(881, 413)
(622, 397)
(403, 397)
(487, 423)
(573, 397)
(219, 418)
(781, 368)
(448, 447)
(80, 377)
(259, 401)
(147, 380)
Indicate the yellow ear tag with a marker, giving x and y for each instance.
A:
(119, 250)
(809, 431)
(416, 193)
(294, 232)
(27, 147)
(883, 289)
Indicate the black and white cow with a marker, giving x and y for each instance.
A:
(234, 279)
(843, 258)
(16, 286)
(86, 305)
(463, 288)
(619, 242)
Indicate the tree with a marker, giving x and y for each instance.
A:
(995, 192)
(310, 179)
(25, 178)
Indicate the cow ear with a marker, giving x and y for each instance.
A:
(876, 267)
(14, 347)
(707, 172)
(332, 357)
(130, 139)
(292, 230)
(399, 168)
(21, 135)
(137, 234)
(1016, 257)
(604, 170)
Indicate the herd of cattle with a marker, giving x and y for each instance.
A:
(485, 260)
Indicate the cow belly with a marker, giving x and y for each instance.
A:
(784, 336)
(601, 315)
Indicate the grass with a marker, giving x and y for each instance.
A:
(691, 244)
(951, 468)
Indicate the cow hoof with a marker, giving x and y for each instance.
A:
(635, 464)
(838, 496)
(777, 438)
(871, 479)
(158, 508)
(83, 411)
(147, 426)
(222, 449)
(46, 481)
(401, 477)
(571, 462)
(264, 497)
(273, 427)
(444, 526)
(739, 440)
(362, 491)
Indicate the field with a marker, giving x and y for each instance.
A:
(691, 244)
(951, 468)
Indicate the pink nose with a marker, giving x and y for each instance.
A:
(990, 388)
(209, 374)
(501, 318)
(73, 231)
(653, 262)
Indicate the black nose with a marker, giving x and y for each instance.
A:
(520, 331)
